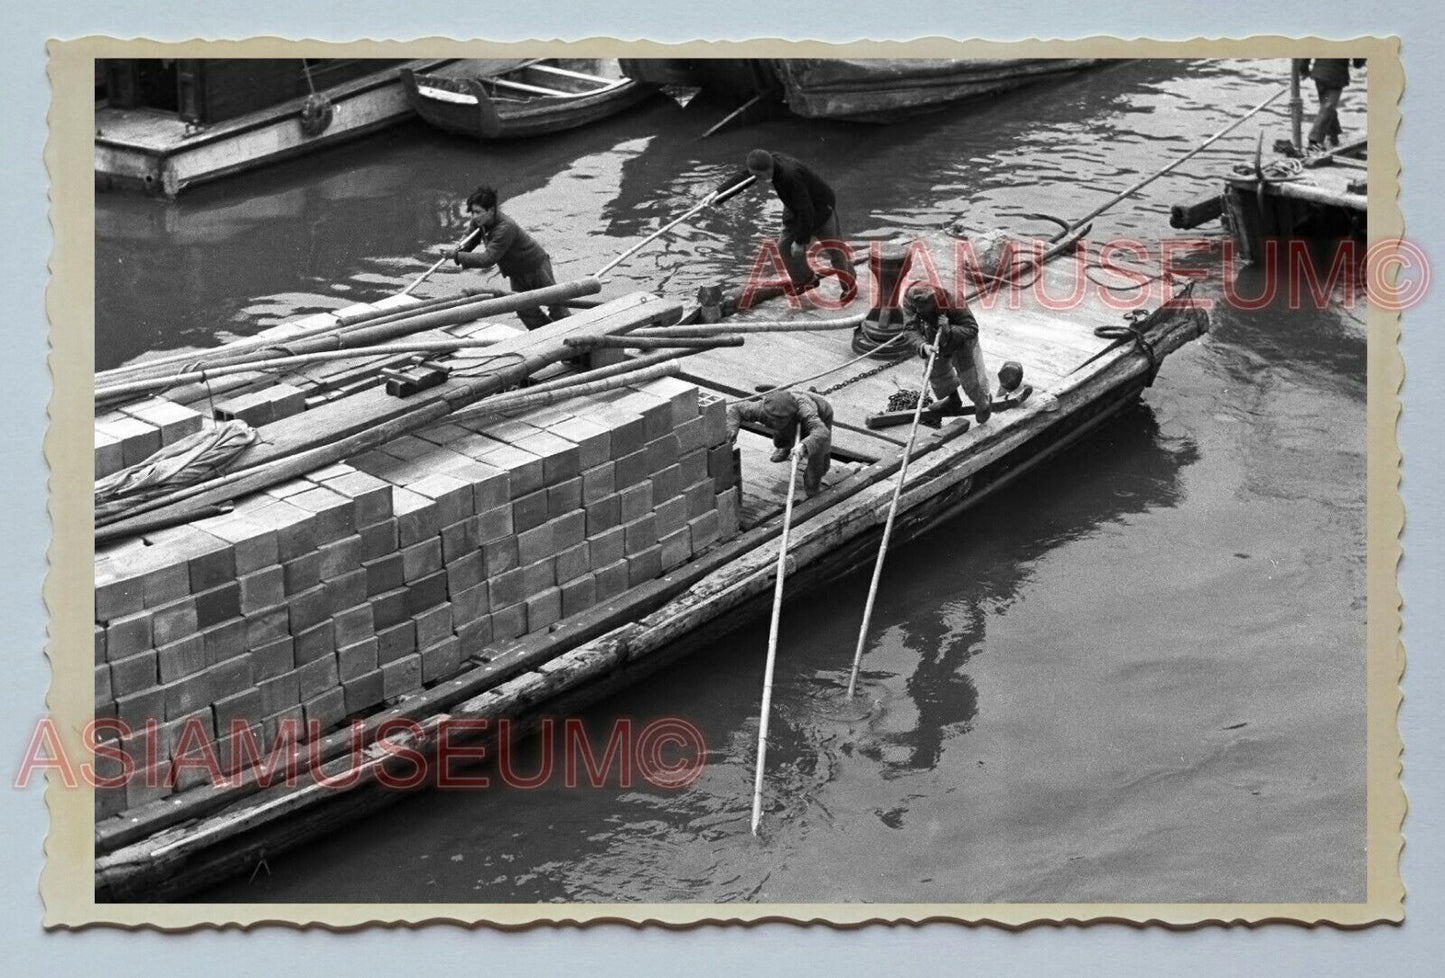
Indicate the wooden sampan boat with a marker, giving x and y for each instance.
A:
(1084, 364)
(531, 99)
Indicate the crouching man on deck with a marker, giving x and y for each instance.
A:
(960, 360)
(783, 412)
(516, 254)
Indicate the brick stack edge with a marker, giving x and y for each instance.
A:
(326, 597)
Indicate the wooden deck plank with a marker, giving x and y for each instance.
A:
(765, 482)
(1049, 343)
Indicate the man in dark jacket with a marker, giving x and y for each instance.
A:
(959, 363)
(1331, 75)
(784, 413)
(514, 252)
(810, 212)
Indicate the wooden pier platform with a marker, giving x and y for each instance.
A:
(1323, 199)
(160, 152)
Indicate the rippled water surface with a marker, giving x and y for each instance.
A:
(1138, 675)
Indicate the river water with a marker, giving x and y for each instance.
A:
(1138, 675)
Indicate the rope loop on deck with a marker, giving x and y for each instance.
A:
(1137, 321)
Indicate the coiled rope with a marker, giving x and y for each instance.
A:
(1133, 329)
(1275, 171)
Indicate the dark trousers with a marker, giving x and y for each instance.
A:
(797, 265)
(1327, 119)
(819, 461)
(538, 278)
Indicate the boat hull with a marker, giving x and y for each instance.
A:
(883, 90)
(467, 109)
(159, 153)
(875, 90)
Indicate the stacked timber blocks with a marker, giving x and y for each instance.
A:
(325, 597)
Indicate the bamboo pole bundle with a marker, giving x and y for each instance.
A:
(565, 383)
(276, 363)
(368, 332)
(326, 438)
(525, 400)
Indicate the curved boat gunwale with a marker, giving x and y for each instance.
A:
(505, 116)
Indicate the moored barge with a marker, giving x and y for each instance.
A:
(465, 553)
(167, 124)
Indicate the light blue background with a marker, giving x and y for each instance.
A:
(24, 389)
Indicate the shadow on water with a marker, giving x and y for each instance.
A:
(643, 843)
(1316, 336)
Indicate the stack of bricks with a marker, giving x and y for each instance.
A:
(328, 596)
(135, 431)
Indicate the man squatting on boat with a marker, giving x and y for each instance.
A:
(783, 411)
(960, 359)
(514, 252)
(810, 213)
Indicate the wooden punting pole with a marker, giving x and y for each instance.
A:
(439, 262)
(888, 523)
(1135, 188)
(781, 573)
(716, 197)
(732, 115)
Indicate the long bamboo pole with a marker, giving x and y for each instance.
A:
(626, 368)
(888, 523)
(782, 570)
(240, 482)
(528, 399)
(276, 363)
(439, 262)
(342, 323)
(357, 331)
(715, 197)
(1187, 156)
(373, 333)
(733, 115)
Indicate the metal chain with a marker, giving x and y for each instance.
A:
(871, 371)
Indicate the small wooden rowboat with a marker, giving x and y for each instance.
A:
(532, 99)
